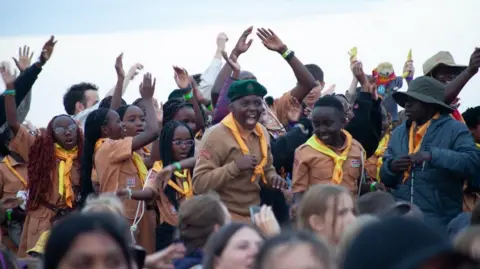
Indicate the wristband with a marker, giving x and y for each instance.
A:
(188, 96)
(372, 186)
(177, 165)
(286, 53)
(9, 214)
(210, 107)
(9, 92)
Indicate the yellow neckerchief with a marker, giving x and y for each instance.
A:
(382, 147)
(99, 143)
(10, 167)
(146, 151)
(157, 166)
(187, 186)
(415, 140)
(199, 135)
(478, 145)
(318, 145)
(64, 172)
(230, 122)
(140, 165)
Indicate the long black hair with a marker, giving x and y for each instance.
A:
(93, 131)
(122, 110)
(166, 153)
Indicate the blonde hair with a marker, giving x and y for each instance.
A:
(315, 202)
(105, 202)
(354, 229)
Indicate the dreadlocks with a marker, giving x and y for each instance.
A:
(171, 107)
(42, 161)
(166, 153)
(93, 132)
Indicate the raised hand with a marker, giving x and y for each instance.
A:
(270, 40)
(134, 70)
(147, 87)
(181, 77)
(474, 63)
(47, 49)
(221, 41)
(295, 110)
(158, 109)
(119, 66)
(357, 70)
(232, 63)
(8, 76)
(242, 44)
(24, 58)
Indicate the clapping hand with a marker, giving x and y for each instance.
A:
(47, 49)
(119, 66)
(24, 58)
(233, 63)
(221, 41)
(147, 87)
(8, 76)
(242, 44)
(181, 77)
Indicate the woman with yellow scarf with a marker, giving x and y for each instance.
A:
(116, 162)
(373, 164)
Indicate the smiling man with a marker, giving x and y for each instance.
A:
(234, 156)
(430, 154)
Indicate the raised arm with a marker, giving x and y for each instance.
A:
(9, 97)
(147, 89)
(454, 88)
(117, 94)
(207, 79)
(305, 80)
(183, 82)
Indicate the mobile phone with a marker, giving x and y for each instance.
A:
(254, 210)
(139, 255)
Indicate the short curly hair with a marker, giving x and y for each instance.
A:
(76, 93)
(472, 117)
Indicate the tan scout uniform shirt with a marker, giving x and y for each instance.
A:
(312, 167)
(216, 170)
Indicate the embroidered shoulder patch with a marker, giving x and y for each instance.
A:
(205, 154)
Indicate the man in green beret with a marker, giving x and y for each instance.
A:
(430, 154)
(234, 157)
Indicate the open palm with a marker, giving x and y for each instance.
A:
(270, 40)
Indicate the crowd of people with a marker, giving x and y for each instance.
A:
(222, 176)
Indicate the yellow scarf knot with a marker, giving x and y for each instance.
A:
(318, 145)
(230, 123)
(187, 186)
(66, 158)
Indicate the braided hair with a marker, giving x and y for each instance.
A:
(42, 161)
(167, 156)
(95, 120)
(171, 107)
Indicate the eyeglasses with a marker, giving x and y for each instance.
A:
(61, 130)
(187, 143)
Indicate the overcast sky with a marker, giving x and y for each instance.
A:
(160, 34)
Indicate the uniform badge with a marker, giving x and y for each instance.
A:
(130, 182)
(355, 163)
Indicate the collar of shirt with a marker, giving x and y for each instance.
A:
(245, 133)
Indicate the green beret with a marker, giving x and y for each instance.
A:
(241, 88)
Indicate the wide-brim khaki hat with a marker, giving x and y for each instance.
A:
(441, 58)
(425, 89)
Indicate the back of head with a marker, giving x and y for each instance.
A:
(354, 229)
(287, 241)
(198, 217)
(375, 203)
(315, 202)
(76, 93)
(316, 71)
(397, 243)
(65, 232)
(105, 202)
